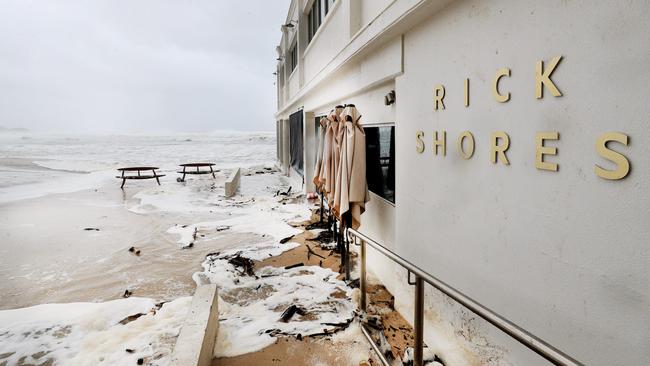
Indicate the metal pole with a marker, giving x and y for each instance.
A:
(346, 243)
(321, 208)
(381, 356)
(418, 322)
(362, 277)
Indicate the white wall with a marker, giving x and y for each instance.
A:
(563, 254)
(331, 37)
(371, 8)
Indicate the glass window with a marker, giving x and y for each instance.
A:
(317, 13)
(310, 26)
(293, 57)
(380, 161)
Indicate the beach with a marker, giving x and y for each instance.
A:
(92, 274)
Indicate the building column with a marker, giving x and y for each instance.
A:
(353, 9)
(310, 145)
(286, 154)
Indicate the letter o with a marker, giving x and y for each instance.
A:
(470, 150)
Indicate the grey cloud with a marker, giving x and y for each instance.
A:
(145, 65)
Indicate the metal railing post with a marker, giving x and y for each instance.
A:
(362, 277)
(418, 322)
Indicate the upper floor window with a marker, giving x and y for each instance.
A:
(317, 13)
(293, 57)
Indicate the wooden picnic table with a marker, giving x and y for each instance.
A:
(139, 170)
(198, 169)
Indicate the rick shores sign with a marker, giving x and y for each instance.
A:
(544, 144)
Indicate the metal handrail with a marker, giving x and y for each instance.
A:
(524, 337)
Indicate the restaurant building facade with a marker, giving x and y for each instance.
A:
(509, 143)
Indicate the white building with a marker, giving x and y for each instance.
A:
(542, 213)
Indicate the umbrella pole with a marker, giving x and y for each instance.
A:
(341, 245)
(329, 222)
(346, 221)
(321, 208)
(347, 255)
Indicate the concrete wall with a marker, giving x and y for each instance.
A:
(330, 38)
(563, 254)
(370, 9)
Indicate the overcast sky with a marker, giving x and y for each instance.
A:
(139, 65)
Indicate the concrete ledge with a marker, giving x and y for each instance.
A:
(195, 343)
(232, 183)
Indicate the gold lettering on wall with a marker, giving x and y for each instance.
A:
(543, 77)
(466, 153)
(501, 98)
(622, 164)
(466, 92)
(419, 143)
(500, 142)
(442, 142)
(541, 150)
(438, 96)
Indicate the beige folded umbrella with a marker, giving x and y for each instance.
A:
(319, 157)
(351, 188)
(331, 156)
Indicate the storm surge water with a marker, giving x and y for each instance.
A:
(43, 164)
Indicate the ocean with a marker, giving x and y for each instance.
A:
(32, 165)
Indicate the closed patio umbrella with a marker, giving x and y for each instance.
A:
(331, 155)
(351, 191)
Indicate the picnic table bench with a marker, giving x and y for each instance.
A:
(139, 170)
(198, 170)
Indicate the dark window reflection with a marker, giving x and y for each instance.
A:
(380, 161)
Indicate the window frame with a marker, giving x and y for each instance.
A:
(380, 125)
(293, 56)
(316, 16)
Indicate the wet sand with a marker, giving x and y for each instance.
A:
(48, 256)
(346, 347)
(309, 351)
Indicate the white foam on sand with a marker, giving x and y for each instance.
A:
(91, 333)
(257, 212)
(265, 216)
(250, 307)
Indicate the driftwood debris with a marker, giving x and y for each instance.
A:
(284, 240)
(280, 193)
(246, 265)
(294, 265)
(130, 318)
(288, 313)
(311, 252)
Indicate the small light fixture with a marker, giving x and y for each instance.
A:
(389, 98)
(275, 73)
(279, 59)
(291, 24)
